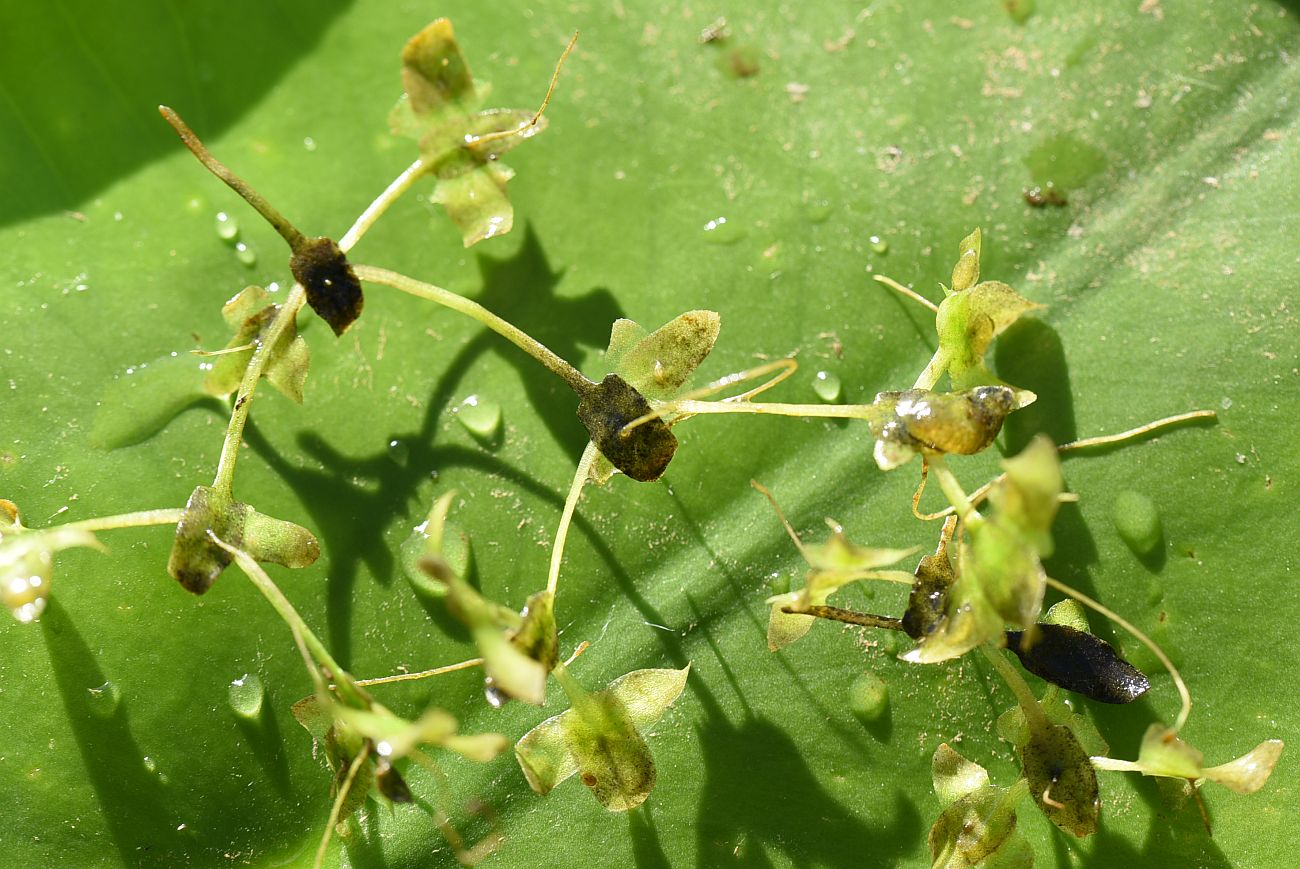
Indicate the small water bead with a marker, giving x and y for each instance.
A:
(309, 143)
(868, 697)
(719, 230)
(245, 254)
(246, 696)
(878, 244)
(480, 416)
(1137, 521)
(816, 209)
(26, 585)
(827, 386)
(399, 453)
(227, 227)
(104, 700)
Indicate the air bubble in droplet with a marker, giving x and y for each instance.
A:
(827, 386)
(104, 700)
(246, 695)
(227, 227)
(480, 416)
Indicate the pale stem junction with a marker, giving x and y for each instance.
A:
(566, 518)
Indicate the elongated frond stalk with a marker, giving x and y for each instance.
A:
(335, 809)
(1131, 434)
(475, 311)
(906, 291)
(956, 495)
(258, 576)
(785, 523)
(566, 518)
(829, 411)
(1183, 694)
(783, 368)
(278, 221)
(933, 370)
(423, 674)
(142, 519)
(284, 316)
(376, 209)
(1034, 714)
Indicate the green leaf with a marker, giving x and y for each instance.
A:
(610, 207)
(600, 738)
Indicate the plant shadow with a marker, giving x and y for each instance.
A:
(353, 500)
(97, 75)
(133, 800)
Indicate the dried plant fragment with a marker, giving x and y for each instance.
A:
(643, 452)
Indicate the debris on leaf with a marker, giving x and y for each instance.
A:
(937, 423)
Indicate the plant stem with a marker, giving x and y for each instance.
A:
(278, 222)
(906, 291)
(166, 516)
(1183, 694)
(852, 617)
(284, 316)
(1147, 428)
(335, 809)
(933, 370)
(952, 489)
(346, 686)
(521, 339)
(376, 209)
(1035, 717)
(566, 518)
(836, 411)
(423, 674)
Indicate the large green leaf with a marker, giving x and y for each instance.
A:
(1168, 278)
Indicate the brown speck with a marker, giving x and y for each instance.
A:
(588, 779)
(1044, 195)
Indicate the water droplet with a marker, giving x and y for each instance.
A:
(869, 697)
(480, 416)
(878, 244)
(151, 767)
(227, 227)
(778, 583)
(827, 386)
(1138, 521)
(104, 700)
(245, 254)
(816, 209)
(246, 696)
(496, 698)
(1020, 10)
(309, 143)
(399, 453)
(719, 230)
(26, 585)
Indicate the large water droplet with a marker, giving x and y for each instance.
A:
(26, 585)
(246, 696)
(399, 453)
(1138, 521)
(868, 697)
(827, 386)
(719, 230)
(227, 227)
(480, 416)
(878, 244)
(104, 700)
